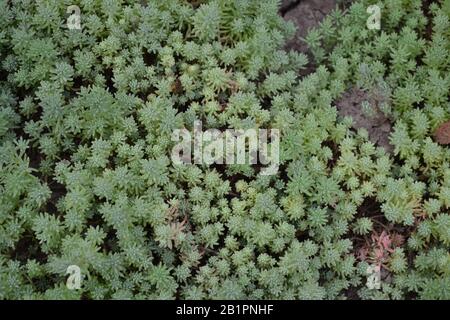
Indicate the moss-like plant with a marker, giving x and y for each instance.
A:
(86, 179)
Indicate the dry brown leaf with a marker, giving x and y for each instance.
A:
(442, 133)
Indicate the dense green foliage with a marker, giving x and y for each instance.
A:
(86, 118)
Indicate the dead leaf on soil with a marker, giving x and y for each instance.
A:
(442, 133)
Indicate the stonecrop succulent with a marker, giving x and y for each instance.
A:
(88, 187)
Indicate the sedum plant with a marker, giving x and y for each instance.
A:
(86, 180)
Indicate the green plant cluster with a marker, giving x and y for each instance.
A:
(86, 179)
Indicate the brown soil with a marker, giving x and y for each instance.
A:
(305, 14)
(378, 125)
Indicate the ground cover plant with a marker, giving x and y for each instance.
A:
(359, 206)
